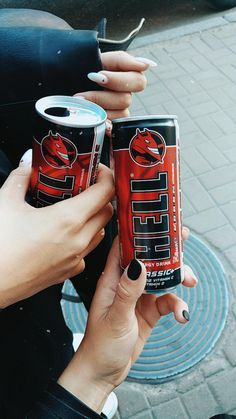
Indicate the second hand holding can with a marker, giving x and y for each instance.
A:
(147, 179)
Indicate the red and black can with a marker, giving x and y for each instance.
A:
(67, 145)
(147, 178)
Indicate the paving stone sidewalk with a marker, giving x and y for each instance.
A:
(196, 80)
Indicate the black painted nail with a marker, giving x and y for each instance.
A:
(134, 270)
(185, 314)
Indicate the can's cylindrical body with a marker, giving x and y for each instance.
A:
(67, 145)
(147, 178)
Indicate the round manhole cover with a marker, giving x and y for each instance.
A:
(173, 348)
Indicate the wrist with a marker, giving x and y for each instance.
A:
(78, 380)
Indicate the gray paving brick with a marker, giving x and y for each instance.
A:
(200, 46)
(214, 366)
(203, 108)
(186, 172)
(231, 112)
(222, 237)
(173, 107)
(131, 402)
(224, 122)
(189, 382)
(230, 71)
(208, 74)
(225, 193)
(225, 142)
(224, 32)
(206, 220)
(229, 41)
(213, 81)
(231, 154)
(229, 349)
(231, 255)
(230, 210)
(171, 410)
(188, 209)
(192, 138)
(202, 62)
(190, 84)
(221, 98)
(219, 177)
(173, 71)
(194, 99)
(233, 308)
(176, 88)
(188, 127)
(159, 97)
(231, 277)
(160, 395)
(143, 415)
(230, 90)
(212, 41)
(209, 127)
(188, 65)
(195, 160)
(197, 195)
(213, 155)
(223, 387)
(155, 110)
(200, 403)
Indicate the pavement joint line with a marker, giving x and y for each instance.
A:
(222, 19)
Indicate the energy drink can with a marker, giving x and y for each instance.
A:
(147, 179)
(67, 145)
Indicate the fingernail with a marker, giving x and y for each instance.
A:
(134, 270)
(185, 315)
(97, 77)
(79, 96)
(108, 125)
(151, 63)
(27, 157)
(189, 274)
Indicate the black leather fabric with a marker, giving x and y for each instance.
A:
(56, 402)
(37, 62)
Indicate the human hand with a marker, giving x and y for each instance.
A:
(120, 320)
(122, 75)
(44, 246)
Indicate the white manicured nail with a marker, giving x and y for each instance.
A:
(27, 157)
(97, 78)
(151, 63)
(79, 96)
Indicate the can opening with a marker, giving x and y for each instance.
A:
(56, 111)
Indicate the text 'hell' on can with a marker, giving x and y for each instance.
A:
(147, 179)
(67, 144)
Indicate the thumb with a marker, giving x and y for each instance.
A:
(129, 289)
(17, 183)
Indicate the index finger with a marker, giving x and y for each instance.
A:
(79, 209)
(122, 61)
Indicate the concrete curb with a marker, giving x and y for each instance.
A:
(199, 26)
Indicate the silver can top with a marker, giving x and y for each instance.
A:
(143, 118)
(78, 112)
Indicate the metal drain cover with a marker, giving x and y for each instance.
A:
(174, 348)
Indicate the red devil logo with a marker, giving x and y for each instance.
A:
(58, 151)
(147, 148)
